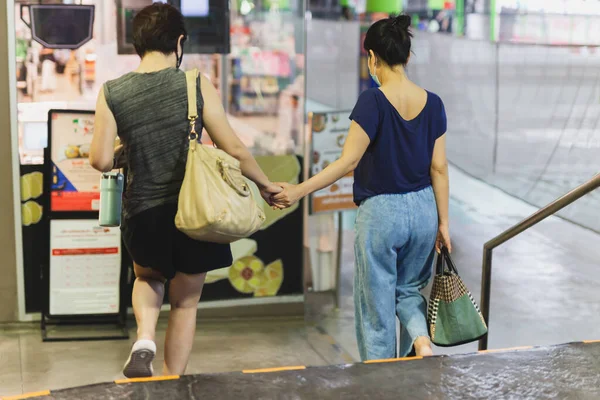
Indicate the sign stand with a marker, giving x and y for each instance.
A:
(338, 261)
(85, 273)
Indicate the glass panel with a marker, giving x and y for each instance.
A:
(262, 86)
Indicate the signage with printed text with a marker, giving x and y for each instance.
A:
(75, 184)
(85, 268)
(329, 132)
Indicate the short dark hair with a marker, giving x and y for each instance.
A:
(157, 28)
(390, 40)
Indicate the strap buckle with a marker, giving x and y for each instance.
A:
(193, 134)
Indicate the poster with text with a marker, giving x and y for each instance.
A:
(85, 268)
(75, 184)
(329, 132)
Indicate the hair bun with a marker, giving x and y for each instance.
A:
(402, 21)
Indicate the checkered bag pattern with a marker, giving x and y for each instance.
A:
(432, 313)
(447, 287)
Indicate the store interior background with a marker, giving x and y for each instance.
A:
(528, 80)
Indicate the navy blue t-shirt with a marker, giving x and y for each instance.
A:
(398, 160)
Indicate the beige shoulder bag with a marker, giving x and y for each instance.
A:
(216, 203)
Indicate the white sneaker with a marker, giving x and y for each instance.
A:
(139, 364)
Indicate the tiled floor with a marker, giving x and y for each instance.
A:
(27, 364)
(544, 291)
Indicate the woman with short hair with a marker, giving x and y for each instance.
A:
(147, 109)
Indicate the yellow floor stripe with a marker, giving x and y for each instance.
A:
(265, 370)
(150, 379)
(505, 350)
(27, 395)
(389, 360)
(591, 341)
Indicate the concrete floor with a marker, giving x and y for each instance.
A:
(28, 365)
(560, 372)
(544, 291)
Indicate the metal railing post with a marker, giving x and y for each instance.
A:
(538, 216)
(486, 285)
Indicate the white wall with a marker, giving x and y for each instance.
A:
(332, 62)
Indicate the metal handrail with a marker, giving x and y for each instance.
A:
(510, 233)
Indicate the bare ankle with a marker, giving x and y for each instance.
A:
(422, 341)
(423, 346)
(145, 336)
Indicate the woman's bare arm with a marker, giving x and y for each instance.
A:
(354, 149)
(102, 150)
(217, 126)
(441, 188)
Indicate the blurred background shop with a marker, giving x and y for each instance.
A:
(252, 53)
(521, 85)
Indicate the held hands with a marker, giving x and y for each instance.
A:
(269, 191)
(289, 196)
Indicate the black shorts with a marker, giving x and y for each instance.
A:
(154, 242)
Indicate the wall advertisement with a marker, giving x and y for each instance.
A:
(75, 184)
(329, 132)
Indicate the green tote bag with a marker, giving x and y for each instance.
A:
(453, 316)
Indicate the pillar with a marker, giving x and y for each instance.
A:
(435, 4)
(460, 17)
(283, 4)
(493, 18)
(384, 6)
(8, 264)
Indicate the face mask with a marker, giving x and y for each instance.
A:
(179, 57)
(376, 79)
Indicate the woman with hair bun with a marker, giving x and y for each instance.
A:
(397, 147)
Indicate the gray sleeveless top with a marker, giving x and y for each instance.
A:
(151, 114)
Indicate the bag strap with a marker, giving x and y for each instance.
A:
(439, 264)
(444, 258)
(191, 78)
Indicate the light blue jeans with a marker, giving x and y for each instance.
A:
(394, 249)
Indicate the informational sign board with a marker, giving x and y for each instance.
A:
(75, 184)
(85, 268)
(328, 135)
(84, 273)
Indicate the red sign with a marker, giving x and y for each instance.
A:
(75, 201)
(83, 252)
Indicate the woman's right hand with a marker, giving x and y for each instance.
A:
(443, 238)
(269, 191)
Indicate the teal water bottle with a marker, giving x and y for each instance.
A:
(111, 193)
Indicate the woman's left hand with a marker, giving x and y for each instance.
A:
(288, 197)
